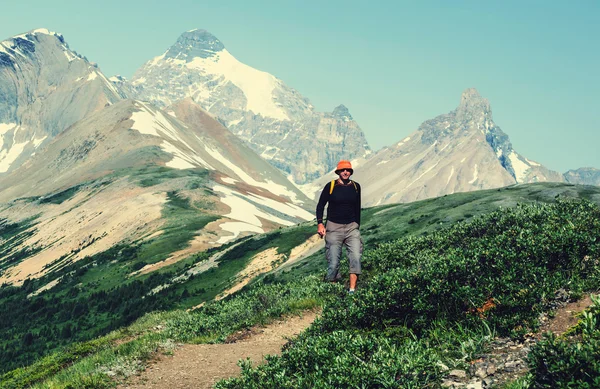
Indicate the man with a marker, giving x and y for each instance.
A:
(343, 222)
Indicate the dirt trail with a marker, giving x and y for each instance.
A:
(202, 365)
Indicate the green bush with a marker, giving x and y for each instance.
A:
(514, 260)
(428, 301)
(344, 359)
(560, 363)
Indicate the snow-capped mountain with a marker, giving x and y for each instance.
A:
(44, 88)
(276, 121)
(461, 151)
(108, 179)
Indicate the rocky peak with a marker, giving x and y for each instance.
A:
(341, 112)
(473, 106)
(24, 45)
(195, 43)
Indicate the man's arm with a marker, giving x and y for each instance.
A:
(358, 204)
(323, 199)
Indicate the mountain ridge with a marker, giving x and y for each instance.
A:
(45, 88)
(256, 106)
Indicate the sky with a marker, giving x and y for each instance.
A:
(394, 64)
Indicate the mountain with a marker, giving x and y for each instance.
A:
(44, 88)
(275, 120)
(460, 151)
(132, 173)
(584, 176)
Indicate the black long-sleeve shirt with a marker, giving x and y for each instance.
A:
(344, 203)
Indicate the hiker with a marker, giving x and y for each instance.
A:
(343, 222)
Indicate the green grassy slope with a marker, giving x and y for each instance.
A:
(418, 293)
(389, 222)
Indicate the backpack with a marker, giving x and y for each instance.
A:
(333, 184)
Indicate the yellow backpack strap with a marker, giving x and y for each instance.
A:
(355, 187)
(331, 186)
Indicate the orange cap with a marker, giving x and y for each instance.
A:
(344, 164)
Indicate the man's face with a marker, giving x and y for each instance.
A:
(345, 174)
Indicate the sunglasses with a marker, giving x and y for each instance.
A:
(345, 170)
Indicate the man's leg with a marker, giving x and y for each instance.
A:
(333, 250)
(354, 248)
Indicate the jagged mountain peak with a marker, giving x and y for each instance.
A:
(45, 87)
(35, 32)
(24, 45)
(342, 112)
(193, 44)
(253, 104)
(473, 106)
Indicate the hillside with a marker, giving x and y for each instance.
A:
(429, 266)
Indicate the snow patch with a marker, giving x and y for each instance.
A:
(92, 76)
(256, 85)
(272, 187)
(475, 174)
(532, 163)
(156, 124)
(270, 152)
(183, 160)
(38, 142)
(5, 127)
(463, 160)
(228, 180)
(3, 48)
(234, 122)
(450, 176)
(45, 31)
(382, 162)
(140, 80)
(422, 174)
(7, 157)
(69, 55)
(243, 208)
(22, 36)
(110, 85)
(403, 141)
(519, 166)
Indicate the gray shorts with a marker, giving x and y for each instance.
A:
(339, 235)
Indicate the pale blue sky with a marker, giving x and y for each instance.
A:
(394, 64)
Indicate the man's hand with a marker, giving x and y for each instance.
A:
(321, 230)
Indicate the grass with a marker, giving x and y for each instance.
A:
(122, 352)
(417, 308)
(380, 225)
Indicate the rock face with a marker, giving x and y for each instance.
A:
(44, 88)
(274, 119)
(584, 176)
(461, 151)
(107, 179)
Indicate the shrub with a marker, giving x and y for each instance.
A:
(559, 363)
